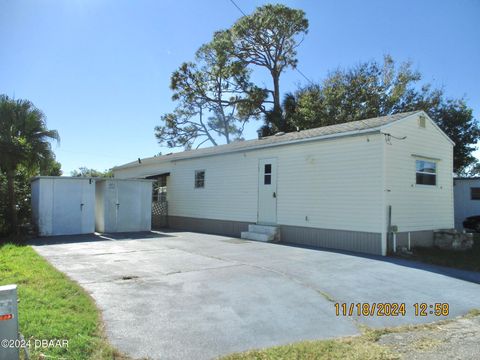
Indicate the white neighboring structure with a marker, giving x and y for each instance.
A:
(467, 199)
(123, 205)
(63, 205)
(328, 187)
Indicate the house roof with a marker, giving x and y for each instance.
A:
(337, 130)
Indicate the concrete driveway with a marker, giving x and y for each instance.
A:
(181, 295)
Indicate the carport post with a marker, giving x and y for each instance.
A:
(9, 349)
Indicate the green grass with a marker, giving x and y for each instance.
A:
(51, 306)
(466, 260)
(360, 347)
(351, 348)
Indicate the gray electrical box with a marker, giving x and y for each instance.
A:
(9, 347)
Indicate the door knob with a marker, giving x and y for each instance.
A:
(81, 207)
(274, 194)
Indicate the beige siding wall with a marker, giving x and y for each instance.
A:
(331, 184)
(418, 207)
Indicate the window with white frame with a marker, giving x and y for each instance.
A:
(199, 179)
(426, 172)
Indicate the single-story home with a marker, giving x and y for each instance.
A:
(352, 186)
(466, 199)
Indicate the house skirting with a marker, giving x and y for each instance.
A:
(358, 241)
(208, 226)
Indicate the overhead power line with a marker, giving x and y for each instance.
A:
(238, 7)
(296, 68)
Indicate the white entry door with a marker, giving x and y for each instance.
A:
(267, 191)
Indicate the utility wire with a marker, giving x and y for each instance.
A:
(305, 76)
(238, 7)
(296, 68)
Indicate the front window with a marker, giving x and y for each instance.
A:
(199, 179)
(426, 172)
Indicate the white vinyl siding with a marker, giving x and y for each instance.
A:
(418, 207)
(331, 184)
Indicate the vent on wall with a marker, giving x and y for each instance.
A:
(421, 121)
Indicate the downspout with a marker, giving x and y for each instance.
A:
(384, 208)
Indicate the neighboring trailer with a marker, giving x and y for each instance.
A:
(326, 187)
(123, 205)
(63, 205)
(467, 199)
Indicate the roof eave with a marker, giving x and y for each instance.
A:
(316, 138)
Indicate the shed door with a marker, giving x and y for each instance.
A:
(67, 207)
(267, 191)
(111, 206)
(88, 207)
(128, 208)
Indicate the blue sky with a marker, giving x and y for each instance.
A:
(100, 69)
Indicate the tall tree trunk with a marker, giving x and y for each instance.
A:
(277, 107)
(12, 202)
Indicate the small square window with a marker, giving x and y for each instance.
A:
(475, 193)
(199, 179)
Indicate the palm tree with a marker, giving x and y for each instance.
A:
(284, 121)
(24, 140)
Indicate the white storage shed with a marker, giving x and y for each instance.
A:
(123, 205)
(63, 205)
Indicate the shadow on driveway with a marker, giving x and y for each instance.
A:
(466, 275)
(85, 238)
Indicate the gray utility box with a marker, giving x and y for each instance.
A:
(9, 348)
(63, 205)
(123, 205)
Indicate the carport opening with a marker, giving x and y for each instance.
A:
(159, 201)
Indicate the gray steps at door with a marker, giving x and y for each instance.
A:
(263, 229)
(264, 233)
(247, 235)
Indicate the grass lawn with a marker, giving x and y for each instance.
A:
(362, 347)
(53, 307)
(352, 348)
(466, 260)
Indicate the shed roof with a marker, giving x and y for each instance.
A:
(337, 130)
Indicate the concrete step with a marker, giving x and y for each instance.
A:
(263, 229)
(256, 236)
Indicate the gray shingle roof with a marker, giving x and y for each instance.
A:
(274, 140)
